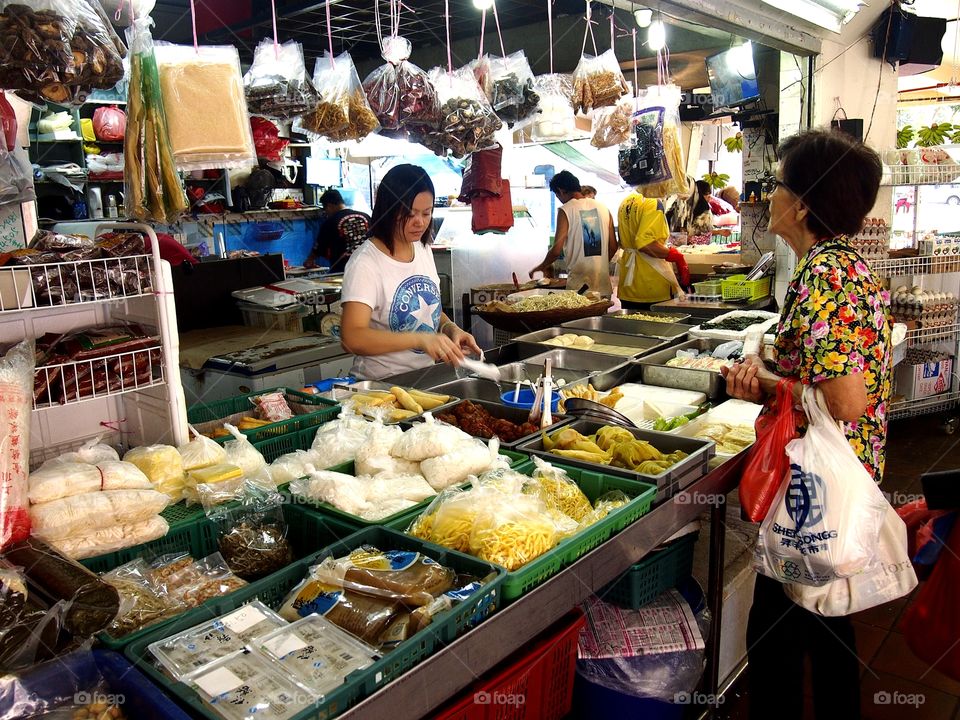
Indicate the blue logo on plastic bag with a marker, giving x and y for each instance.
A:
(805, 498)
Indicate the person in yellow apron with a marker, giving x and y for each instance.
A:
(646, 272)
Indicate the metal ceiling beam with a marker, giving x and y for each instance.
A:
(756, 23)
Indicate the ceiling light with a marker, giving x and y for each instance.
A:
(657, 35)
(829, 14)
(740, 60)
(643, 16)
(483, 4)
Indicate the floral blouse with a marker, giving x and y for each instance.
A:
(836, 321)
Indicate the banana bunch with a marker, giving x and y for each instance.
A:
(611, 445)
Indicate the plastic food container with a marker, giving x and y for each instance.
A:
(525, 400)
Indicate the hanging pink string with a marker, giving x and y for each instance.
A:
(496, 19)
(590, 31)
(276, 44)
(550, 30)
(636, 86)
(193, 19)
(483, 29)
(612, 35)
(333, 64)
(446, 15)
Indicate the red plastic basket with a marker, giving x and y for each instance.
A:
(534, 684)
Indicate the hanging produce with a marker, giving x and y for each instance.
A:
(343, 112)
(666, 100)
(556, 119)
(276, 85)
(612, 126)
(598, 82)
(512, 93)
(467, 121)
(400, 93)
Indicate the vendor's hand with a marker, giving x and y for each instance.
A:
(743, 379)
(441, 348)
(464, 340)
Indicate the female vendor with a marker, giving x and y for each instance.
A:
(392, 316)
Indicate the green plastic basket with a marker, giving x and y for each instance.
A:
(568, 550)
(273, 448)
(657, 572)
(306, 530)
(444, 628)
(737, 287)
(326, 410)
(707, 287)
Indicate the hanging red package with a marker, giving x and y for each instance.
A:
(493, 213)
(931, 623)
(481, 174)
(266, 139)
(8, 122)
(767, 462)
(109, 123)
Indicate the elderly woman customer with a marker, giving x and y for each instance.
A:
(834, 332)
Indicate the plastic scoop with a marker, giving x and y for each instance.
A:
(481, 369)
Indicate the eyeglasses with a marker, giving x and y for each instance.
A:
(782, 184)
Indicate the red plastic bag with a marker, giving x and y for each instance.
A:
(493, 214)
(767, 462)
(266, 139)
(109, 123)
(931, 623)
(481, 174)
(8, 122)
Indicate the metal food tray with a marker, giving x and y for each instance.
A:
(503, 412)
(656, 372)
(669, 482)
(470, 389)
(642, 345)
(341, 393)
(582, 361)
(610, 324)
(676, 317)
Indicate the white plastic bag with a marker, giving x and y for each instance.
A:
(338, 441)
(427, 440)
(825, 520)
(92, 452)
(201, 452)
(470, 457)
(891, 576)
(64, 479)
(241, 452)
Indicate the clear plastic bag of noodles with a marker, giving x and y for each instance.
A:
(467, 122)
(605, 504)
(206, 106)
(343, 112)
(512, 530)
(597, 82)
(613, 125)
(667, 98)
(557, 489)
(449, 519)
(556, 120)
(512, 92)
(276, 85)
(400, 93)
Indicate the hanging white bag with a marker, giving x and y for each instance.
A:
(891, 576)
(825, 520)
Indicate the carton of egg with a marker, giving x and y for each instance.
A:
(929, 309)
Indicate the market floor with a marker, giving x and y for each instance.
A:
(888, 666)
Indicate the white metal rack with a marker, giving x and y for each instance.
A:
(141, 400)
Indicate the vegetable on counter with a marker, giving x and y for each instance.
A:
(665, 424)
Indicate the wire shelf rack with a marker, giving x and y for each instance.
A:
(921, 174)
(933, 334)
(924, 406)
(81, 282)
(74, 382)
(922, 265)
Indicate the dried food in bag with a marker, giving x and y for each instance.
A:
(142, 602)
(16, 402)
(558, 490)
(276, 85)
(58, 50)
(665, 99)
(467, 122)
(642, 160)
(512, 93)
(598, 82)
(112, 538)
(194, 80)
(57, 479)
(202, 644)
(470, 457)
(253, 539)
(343, 112)
(513, 531)
(193, 582)
(556, 119)
(400, 93)
(82, 514)
(613, 125)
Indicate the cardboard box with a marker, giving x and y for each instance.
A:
(15, 289)
(921, 380)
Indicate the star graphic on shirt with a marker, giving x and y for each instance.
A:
(424, 313)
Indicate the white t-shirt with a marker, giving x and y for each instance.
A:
(404, 297)
(587, 245)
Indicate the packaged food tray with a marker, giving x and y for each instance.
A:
(272, 591)
(668, 483)
(306, 529)
(737, 287)
(765, 326)
(655, 371)
(313, 410)
(659, 571)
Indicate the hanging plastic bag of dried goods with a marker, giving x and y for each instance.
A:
(339, 86)
(276, 85)
(556, 119)
(266, 139)
(153, 190)
(205, 106)
(400, 93)
(512, 93)
(109, 123)
(613, 125)
(16, 176)
(663, 100)
(467, 122)
(58, 50)
(16, 389)
(641, 159)
(598, 82)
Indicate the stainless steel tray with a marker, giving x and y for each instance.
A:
(613, 324)
(569, 365)
(342, 393)
(656, 372)
(471, 389)
(669, 482)
(642, 345)
(676, 317)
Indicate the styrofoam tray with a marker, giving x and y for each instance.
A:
(731, 412)
(764, 327)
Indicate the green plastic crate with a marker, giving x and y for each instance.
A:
(657, 572)
(397, 521)
(445, 627)
(273, 448)
(306, 530)
(208, 412)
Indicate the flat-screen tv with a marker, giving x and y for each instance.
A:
(733, 78)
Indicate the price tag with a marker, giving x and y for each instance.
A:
(243, 619)
(284, 645)
(219, 681)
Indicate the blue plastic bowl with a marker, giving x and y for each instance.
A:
(526, 398)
